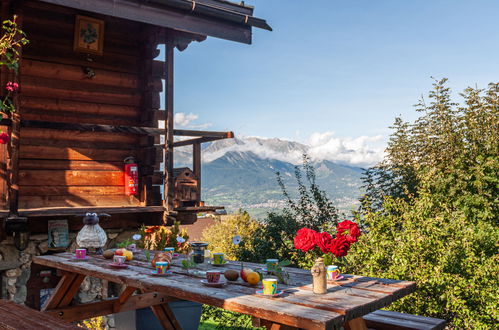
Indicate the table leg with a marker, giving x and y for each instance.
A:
(65, 291)
(166, 317)
(123, 298)
(356, 324)
(257, 322)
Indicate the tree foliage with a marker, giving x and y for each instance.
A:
(431, 209)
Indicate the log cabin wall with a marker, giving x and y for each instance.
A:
(60, 168)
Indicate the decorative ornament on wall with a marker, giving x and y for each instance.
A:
(89, 35)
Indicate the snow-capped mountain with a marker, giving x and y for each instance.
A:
(241, 173)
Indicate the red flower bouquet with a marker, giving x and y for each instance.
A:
(347, 233)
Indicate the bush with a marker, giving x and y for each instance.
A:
(220, 235)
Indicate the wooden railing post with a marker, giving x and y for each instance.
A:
(168, 184)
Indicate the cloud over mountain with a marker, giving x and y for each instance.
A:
(360, 151)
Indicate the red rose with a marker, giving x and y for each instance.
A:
(348, 229)
(339, 246)
(305, 239)
(4, 138)
(323, 241)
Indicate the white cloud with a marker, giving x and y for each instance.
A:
(184, 119)
(359, 151)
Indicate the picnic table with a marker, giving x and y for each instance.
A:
(298, 307)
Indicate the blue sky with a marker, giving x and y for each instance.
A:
(336, 69)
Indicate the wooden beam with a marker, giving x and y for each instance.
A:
(76, 211)
(196, 167)
(168, 185)
(90, 127)
(184, 132)
(123, 298)
(184, 143)
(105, 307)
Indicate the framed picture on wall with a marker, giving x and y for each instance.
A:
(58, 234)
(89, 35)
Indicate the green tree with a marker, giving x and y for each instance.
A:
(431, 209)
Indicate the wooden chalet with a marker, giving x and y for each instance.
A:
(89, 98)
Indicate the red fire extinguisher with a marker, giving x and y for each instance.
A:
(131, 177)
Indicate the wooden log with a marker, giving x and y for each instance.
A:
(196, 167)
(49, 164)
(91, 127)
(68, 136)
(184, 143)
(86, 154)
(57, 89)
(184, 132)
(169, 127)
(70, 178)
(82, 191)
(67, 117)
(41, 69)
(58, 105)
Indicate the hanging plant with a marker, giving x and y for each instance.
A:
(11, 43)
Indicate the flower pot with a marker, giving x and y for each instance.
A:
(188, 314)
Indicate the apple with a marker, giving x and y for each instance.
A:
(119, 252)
(244, 273)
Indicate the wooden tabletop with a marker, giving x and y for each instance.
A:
(298, 306)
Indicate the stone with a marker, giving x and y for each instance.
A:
(21, 294)
(39, 237)
(112, 235)
(13, 272)
(25, 257)
(31, 248)
(43, 247)
(11, 289)
(110, 321)
(1, 256)
(24, 277)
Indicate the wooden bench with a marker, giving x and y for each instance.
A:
(388, 320)
(18, 317)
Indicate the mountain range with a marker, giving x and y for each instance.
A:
(241, 174)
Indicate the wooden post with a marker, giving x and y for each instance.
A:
(168, 185)
(196, 167)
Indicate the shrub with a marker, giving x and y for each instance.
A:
(220, 235)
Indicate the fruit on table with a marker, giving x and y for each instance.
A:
(128, 255)
(119, 252)
(231, 275)
(253, 278)
(244, 273)
(108, 254)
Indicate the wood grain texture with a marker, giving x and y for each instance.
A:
(297, 307)
(18, 317)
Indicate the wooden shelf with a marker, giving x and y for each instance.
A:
(75, 211)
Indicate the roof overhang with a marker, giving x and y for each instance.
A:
(215, 18)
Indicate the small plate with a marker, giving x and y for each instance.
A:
(339, 278)
(79, 259)
(118, 266)
(168, 273)
(217, 265)
(219, 284)
(260, 293)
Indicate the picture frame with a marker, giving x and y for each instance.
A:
(89, 35)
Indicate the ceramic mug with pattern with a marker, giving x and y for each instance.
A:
(269, 286)
(218, 258)
(333, 272)
(213, 276)
(81, 253)
(162, 267)
(119, 260)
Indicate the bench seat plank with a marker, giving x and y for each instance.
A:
(389, 320)
(18, 317)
